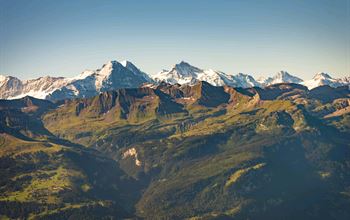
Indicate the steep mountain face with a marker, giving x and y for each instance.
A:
(130, 66)
(176, 151)
(112, 75)
(184, 73)
(280, 77)
(244, 81)
(322, 79)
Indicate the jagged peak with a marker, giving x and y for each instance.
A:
(108, 67)
(283, 74)
(11, 78)
(244, 75)
(125, 63)
(128, 64)
(185, 69)
(322, 75)
(184, 64)
(114, 62)
(111, 63)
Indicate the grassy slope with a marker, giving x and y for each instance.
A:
(246, 158)
(191, 159)
(46, 177)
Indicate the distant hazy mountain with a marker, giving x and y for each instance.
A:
(114, 75)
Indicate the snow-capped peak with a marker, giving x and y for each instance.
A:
(280, 77)
(244, 80)
(112, 75)
(321, 79)
(182, 64)
(114, 72)
(181, 73)
(83, 75)
(135, 70)
(284, 76)
(185, 69)
(124, 63)
(128, 64)
(184, 73)
(108, 68)
(322, 75)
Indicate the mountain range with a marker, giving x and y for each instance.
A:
(114, 75)
(171, 151)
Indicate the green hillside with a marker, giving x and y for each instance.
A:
(179, 152)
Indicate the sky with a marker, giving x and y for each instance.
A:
(258, 37)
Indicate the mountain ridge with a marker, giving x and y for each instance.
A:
(176, 151)
(114, 75)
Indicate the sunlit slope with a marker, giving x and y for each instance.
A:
(178, 151)
(43, 176)
(211, 152)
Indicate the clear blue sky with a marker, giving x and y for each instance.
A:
(261, 37)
